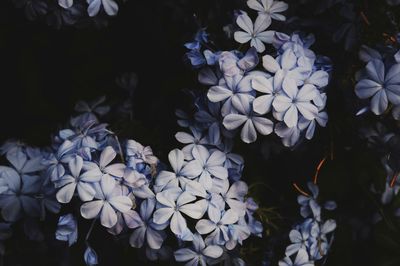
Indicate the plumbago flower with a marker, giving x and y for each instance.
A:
(269, 8)
(255, 33)
(260, 93)
(379, 81)
(201, 202)
(68, 12)
(83, 164)
(311, 239)
(24, 191)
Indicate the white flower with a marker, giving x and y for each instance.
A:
(295, 101)
(269, 8)
(174, 203)
(109, 201)
(69, 183)
(255, 33)
(110, 7)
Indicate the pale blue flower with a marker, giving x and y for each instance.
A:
(66, 3)
(107, 203)
(382, 87)
(255, 33)
(139, 154)
(299, 238)
(175, 202)
(196, 58)
(75, 181)
(67, 229)
(301, 259)
(181, 171)
(55, 161)
(295, 101)
(211, 164)
(320, 244)
(199, 254)
(251, 122)
(270, 87)
(309, 205)
(192, 141)
(89, 111)
(290, 135)
(200, 38)
(285, 67)
(234, 63)
(147, 231)
(237, 233)
(234, 195)
(95, 171)
(90, 257)
(109, 6)
(18, 194)
(269, 8)
(217, 226)
(231, 91)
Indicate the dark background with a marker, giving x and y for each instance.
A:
(45, 71)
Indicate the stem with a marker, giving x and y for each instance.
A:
(300, 190)
(90, 230)
(120, 149)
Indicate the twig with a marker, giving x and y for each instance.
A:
(300, 190)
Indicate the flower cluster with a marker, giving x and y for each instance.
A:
(201, 201)
(259, 93)
(109, 178)
(25, 192)
(68, 12)
(312, 238)
(203, 206)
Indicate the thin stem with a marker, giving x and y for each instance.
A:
(120, 149)
(300, 190)
(318, 169)
(90, 230)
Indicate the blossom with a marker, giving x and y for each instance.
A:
(319, 242)
(139, 153)
(107, 202)
(211, 165)
(89, 111)
(217, 226)
(175, 202)
(269, 8)
(90, 257)
(234, 195)
(231, 91)
(181, 170)
(271, 87)
(284, 67)
(299, 238)
(255, 33)
(301, 259)
(382, 87)
(65, 3)
(147, 229)
(69, 183)
(200, 254)
(18, 194)
(110, 7)
(294, 101)
(67, 229)
(95, 172)
(252, 123)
